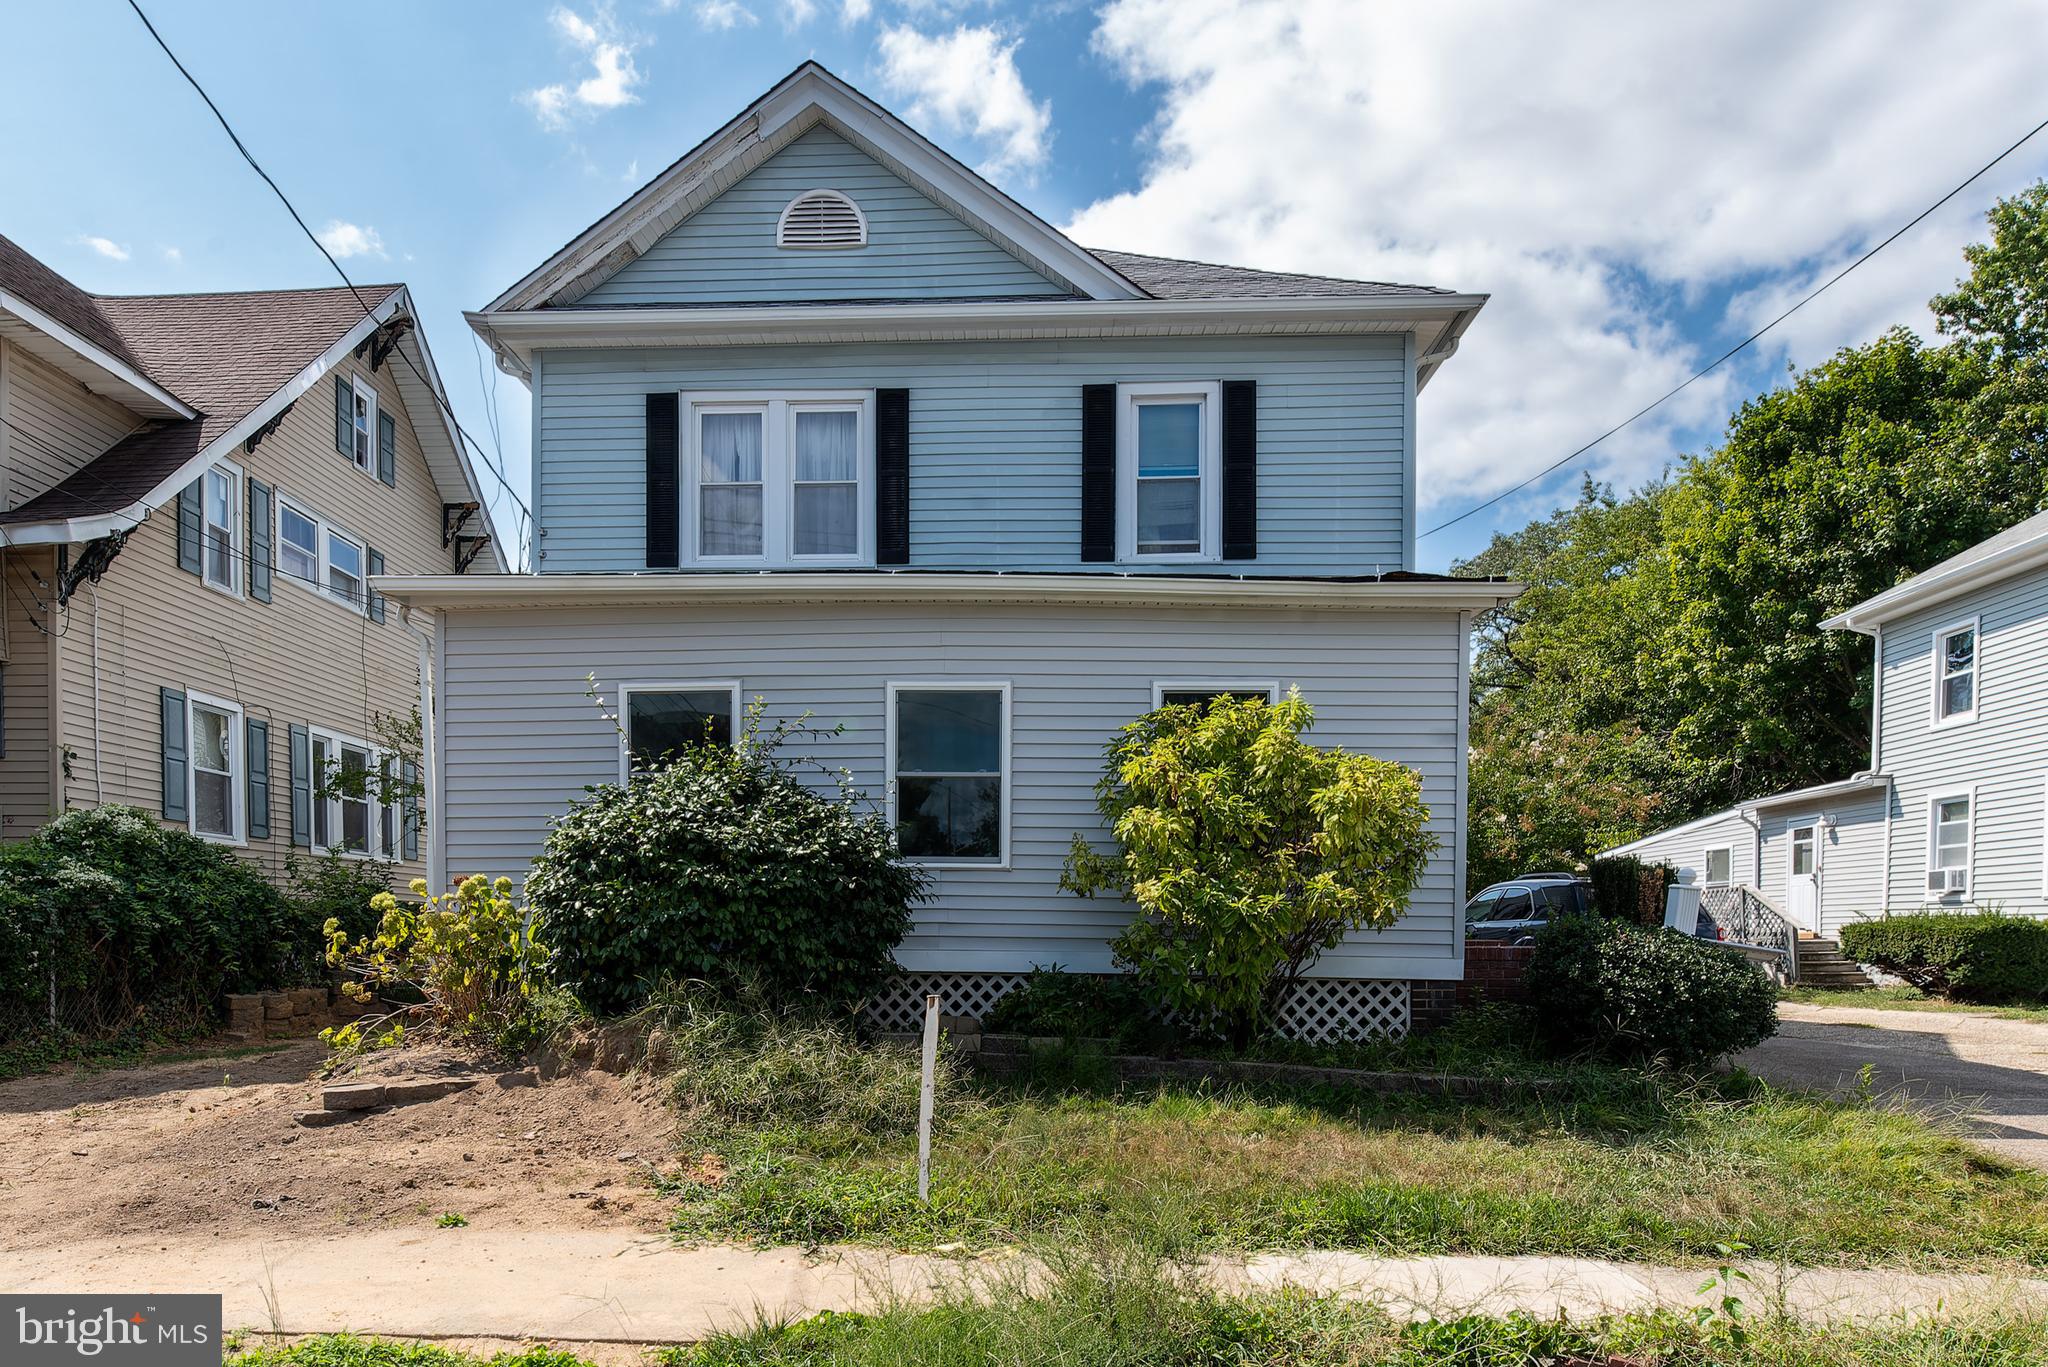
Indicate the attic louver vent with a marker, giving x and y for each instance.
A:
(822, 219)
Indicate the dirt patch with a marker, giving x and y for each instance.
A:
(208, 1146)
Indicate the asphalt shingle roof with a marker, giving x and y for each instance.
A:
(1166, 277)
(223, 354)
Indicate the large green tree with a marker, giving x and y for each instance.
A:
(1668, 658)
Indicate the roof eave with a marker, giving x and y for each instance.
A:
(1938, 586)
(544, 590)
(135, 390)
(1820, 792)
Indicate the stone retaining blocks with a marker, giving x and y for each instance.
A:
(288, 1014)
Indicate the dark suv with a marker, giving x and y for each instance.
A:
(1515, 910)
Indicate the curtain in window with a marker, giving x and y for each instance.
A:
(729, 476)
(827, 483)
(1169, 478)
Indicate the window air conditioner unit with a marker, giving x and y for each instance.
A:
(1948, 880)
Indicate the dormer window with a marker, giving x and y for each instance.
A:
(822, 220)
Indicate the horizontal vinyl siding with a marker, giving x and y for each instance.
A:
(2003, 753)
(523, 739)
(25, 768)
(53, 425)
(726, 252)
(1686, 850)
(995, 442)
(301, 658)
(1851, 857)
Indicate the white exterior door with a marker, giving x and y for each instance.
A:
(1802, 892)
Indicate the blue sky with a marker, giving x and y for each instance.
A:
(1636, 186)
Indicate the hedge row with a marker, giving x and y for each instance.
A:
(1973, 956)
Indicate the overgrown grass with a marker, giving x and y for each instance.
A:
(1605, 1162)
(31, 1054)
(1908, 999)
(347, 1350)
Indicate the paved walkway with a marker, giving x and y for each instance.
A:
(619, 1289)
(1992, 1073)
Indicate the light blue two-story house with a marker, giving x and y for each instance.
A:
(1952, 812)
(824, 418)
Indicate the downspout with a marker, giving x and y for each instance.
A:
(1884, 887)
(430, 760)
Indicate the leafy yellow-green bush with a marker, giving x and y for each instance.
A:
(471, 956)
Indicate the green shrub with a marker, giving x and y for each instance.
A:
(723, 866)
(1615, 988)
(1248, 852)
(1051, 1001)
(337, 887)
(1973, 956)
(1627, 889)
(138, 927)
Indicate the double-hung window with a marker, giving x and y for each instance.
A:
(1950, 831)
(363, 424)
(1169, 487)
(355, 803)
(779, 479)
(215, 766)
(657, 722)
(317, 555)
(1955, 673)
(949, 760)
(221, 521)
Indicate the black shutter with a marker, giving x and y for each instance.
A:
(376, 559)
(1240, 470)
(302, 786)
(260, 548)
(1098, 472)
(344, 417)
(387, 449)
(257, 743)
(176, 750)
(664, 488)
(892, 476)
(409, 818)
(191, 533)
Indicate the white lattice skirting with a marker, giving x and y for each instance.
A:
(1318, 1011)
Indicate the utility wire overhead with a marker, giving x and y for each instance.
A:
(1742, 345)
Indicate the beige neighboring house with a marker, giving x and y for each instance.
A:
(194, 492)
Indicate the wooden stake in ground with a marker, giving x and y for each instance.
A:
(926, 1096)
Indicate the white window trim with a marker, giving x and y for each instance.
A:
(1128, 398)
(896, 687)
(1162, 687)
(238, 536)
(362, 387)
(1938, 663)
(1969, 889)
(1706, 862)
(238, 769)
(731, 687)
(324, 530)
(378, 756)
(782, 224)
(778, 473)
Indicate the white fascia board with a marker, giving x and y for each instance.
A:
(1820, 792)
(516, 335)
(795, 104)
(62, 531)
(144, 387)
(923, 586)
(1668, 833)
(1938, 586)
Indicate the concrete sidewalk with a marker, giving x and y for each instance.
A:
(621, 1290)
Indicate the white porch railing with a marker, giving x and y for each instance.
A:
(1742, 918)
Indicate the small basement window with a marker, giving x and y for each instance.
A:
(660, 721)
(821, 220)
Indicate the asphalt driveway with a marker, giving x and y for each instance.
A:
(1991, 1073)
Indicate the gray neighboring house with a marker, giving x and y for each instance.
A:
(1953, 811)
(823, 418)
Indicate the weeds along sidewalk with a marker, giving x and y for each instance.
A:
(609, 1287)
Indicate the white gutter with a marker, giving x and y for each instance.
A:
(98, 356)
(562, 590)
(1855, 783)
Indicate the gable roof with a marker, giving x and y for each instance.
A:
(1165, 277)
(800, 101)
(2022, 546)
(65, 327)
(230, 362)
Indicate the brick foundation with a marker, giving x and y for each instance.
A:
(1493, 972)
(1430, 1004)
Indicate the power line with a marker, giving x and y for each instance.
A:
(1745, 342)
(321, 247)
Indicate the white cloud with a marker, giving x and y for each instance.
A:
(174, 255)
(631, 176)
(967, 82)
(612, 72)
(107, 247)
(853, 11)
(797, 13)
(1599, 168)
(722, 15)
(343, 240)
